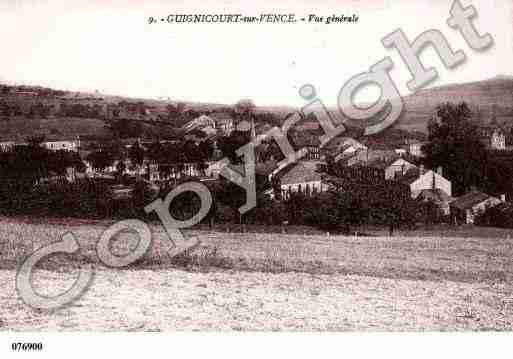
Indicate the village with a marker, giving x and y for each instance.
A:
(209, 137)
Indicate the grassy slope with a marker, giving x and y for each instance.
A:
(66, 128)
(400, 283)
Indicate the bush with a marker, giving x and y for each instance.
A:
(499, 216)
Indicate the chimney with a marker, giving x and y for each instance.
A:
(440, 171)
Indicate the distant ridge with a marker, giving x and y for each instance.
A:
(486, 98)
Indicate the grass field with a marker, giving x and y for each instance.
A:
(265, 281)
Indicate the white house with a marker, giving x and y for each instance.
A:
(418, 180)
(344, 145)
(493, 136)
(7, 145)
(66, 145)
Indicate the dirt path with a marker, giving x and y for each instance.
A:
(176, 300)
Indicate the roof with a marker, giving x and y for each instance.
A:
(372, 156)
(491, 127)
(307, 141)
(201, 121)
(261, 168)
(336, 142)
(223, 115)
(344, 157)
(470, 199)
(300, 173)
(384, 163)
(413, 141)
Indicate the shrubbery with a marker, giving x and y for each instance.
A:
(499, 216)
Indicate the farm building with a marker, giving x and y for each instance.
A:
(418, 179)
(301, 177)
(465, 208)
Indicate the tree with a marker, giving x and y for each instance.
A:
(230, 144)
(100, 159)
(334, 211)
(120, 168)
(245, 107)
(60, 161)
(136, 155)
(455, 144)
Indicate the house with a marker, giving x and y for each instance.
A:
(301, 177)
(66, 145)
(200, 123)
(311, 145)
(493, 136)
(360, 173)
(343, 146)
(464, 209)
(369, 155)
(7, 145)
(397, 167)
(49, 144)
(214, 168)
(224, 122)
(390, 167)
(414, 147)
(418, 180)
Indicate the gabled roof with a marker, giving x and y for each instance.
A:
(299, 173)
(469, 200)
(338, 142)
(344, 157)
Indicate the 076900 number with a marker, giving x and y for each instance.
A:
(25, 347)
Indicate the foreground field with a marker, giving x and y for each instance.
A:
(270, 282)
(176, 300)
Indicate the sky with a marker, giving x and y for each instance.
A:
(109, 46)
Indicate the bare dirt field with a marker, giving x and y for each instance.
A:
(269, 282)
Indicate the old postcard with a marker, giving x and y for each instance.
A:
(227, 166)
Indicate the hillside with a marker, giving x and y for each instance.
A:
(26, 111)
(486, 97)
